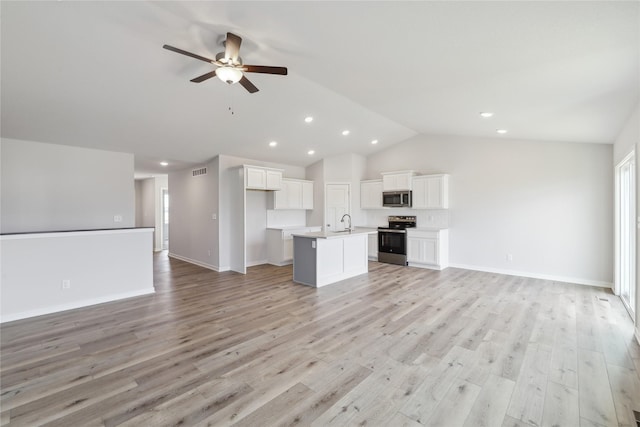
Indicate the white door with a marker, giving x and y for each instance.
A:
(337, 204)
(625, 232)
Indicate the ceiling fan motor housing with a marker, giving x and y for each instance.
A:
(220, 57)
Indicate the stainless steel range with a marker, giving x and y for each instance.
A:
(392, 240)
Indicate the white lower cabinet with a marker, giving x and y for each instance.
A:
(428, 248)
(373, 246)
(280, 244)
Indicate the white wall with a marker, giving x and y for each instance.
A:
(550, 205)
(193, 234)
(138, 192)
(48, 187)
(628, 140)
(100, 266)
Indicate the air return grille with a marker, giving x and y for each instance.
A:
(199, 172)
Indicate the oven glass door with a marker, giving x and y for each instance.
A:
(392, 241)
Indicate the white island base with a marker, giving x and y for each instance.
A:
(323, 258)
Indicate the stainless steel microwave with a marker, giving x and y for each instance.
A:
(396, 199)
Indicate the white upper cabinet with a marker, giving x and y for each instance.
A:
(392, 181)
(371, 194)
(274, 179)
(259, 178)
(431, 192)
(295, 194)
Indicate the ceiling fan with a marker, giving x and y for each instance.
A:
(230, 67)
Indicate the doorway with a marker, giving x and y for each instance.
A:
(165, 219)
(337, 204)
(625, 285)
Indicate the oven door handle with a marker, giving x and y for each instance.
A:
(392, 231)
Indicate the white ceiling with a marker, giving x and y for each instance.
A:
(94, 74)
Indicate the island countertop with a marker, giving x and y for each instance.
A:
(333, 234)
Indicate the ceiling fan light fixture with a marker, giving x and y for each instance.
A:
(229, 74)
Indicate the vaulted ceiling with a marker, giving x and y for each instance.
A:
(94, 74)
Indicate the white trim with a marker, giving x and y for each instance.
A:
(254, 263)
(74, 305)
(576, 280)
(629, 158)
(198, 263)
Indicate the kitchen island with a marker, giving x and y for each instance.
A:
(325, 257)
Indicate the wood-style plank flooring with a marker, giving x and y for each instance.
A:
(399, 346)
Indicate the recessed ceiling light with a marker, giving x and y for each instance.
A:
(308, 119)
(164, 164)
(486, 114)
(374, 142)
(311, 152)
(345, 132)
(501, 131)
(273, 144)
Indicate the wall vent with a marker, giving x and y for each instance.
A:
(199, 172)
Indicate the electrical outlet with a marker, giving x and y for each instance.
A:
(117, 218)
(66, 284)
(209, 252)
(510, 257)
(214, 216)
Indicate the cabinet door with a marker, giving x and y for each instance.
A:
(397, 181)
(389, 182)
(371, 195)
(256, 178)
(422, 250)
(294, 194)
(287, 254)
(435, 192)
(280, 198)
(273, 180)
(419, 193)
(307, 195)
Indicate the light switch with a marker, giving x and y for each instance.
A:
(313, 244)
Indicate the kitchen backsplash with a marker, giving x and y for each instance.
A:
(425, 218)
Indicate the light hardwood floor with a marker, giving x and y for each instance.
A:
(397, 347)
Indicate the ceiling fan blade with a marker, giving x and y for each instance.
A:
(248, 85)
(184, 52)
(204, 77)
(265, 69)
(232, 46)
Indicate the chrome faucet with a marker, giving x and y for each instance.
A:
(342, 220)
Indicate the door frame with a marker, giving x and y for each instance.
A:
(324, 214)
(163, 191)
(618, 230)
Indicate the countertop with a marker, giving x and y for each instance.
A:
(332, 234)
(428, 228)
(293, 227)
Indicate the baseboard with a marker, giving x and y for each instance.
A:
(254, 263)
(199, 263)
(74, 305)
(564, 279)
